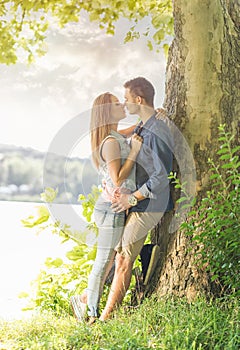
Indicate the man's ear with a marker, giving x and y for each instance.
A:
(139, 100)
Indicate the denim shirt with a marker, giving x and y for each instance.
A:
(153, 165)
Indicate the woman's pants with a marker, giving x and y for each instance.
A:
(110, 229)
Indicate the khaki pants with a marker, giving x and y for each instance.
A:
(135, 232)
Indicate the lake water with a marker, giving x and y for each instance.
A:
(22, 255)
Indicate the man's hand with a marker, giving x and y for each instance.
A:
(121, 204)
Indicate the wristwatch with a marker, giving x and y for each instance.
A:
(132, 200)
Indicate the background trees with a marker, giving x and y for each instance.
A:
(21, 176)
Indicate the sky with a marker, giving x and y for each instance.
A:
(81, 62)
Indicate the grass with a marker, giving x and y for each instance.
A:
(156, 324)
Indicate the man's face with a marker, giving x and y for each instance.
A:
(131, 102)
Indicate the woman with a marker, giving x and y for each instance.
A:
(115, 161)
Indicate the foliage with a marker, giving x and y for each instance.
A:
(156, 324)
(88, 202)
(24, 24)
(215, 223)
(63, 277)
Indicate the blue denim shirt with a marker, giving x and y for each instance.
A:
(153, 165)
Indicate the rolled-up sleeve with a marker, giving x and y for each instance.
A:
(145, 192)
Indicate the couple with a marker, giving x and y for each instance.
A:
(135, 192)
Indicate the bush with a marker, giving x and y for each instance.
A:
(54, 285)
(215, 222)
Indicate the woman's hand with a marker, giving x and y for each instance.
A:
(161, 113)
(136, 143)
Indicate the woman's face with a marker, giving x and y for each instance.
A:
(117, 110)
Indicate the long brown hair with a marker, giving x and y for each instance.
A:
(100, 125)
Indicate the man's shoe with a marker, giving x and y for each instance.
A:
(92, 320)
(79, 308)
(155, 255)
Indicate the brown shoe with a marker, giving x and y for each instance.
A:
(155, 256)
(91, 320)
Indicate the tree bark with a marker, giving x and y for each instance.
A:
(202, 91)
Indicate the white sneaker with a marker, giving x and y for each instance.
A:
(79, 308)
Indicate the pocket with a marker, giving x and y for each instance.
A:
(119, 220)
(99, 216)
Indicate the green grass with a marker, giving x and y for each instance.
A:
(156, 324)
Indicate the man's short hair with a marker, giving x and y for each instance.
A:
(141, 87)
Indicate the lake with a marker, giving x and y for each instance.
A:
(22, 255)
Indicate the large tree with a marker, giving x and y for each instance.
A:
(202, 91)
(202, 88)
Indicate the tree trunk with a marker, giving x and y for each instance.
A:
(202, 91)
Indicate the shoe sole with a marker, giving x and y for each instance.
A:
(155, 255)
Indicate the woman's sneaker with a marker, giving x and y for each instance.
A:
(79, 308)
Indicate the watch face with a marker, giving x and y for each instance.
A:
(132, 200)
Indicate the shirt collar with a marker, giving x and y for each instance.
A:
(149, 121)
(140, 125)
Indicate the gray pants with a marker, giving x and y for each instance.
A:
(110, 229)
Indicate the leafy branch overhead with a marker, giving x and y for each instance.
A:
(24, 24)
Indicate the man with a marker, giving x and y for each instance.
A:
(152, 198)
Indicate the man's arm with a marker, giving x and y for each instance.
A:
(162, 165)
(158, 181)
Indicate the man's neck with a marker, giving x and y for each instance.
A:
(145, 113)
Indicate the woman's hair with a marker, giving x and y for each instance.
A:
(100, 125)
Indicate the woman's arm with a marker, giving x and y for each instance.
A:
(161, 114)
(112, 156)
(128, 131)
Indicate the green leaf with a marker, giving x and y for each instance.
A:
(178, 186)
(157, 20)
(214, 278)
(214, 176)
(225, 156)
(159, 36)
(182, 199)
(235, 149)
(166, 49)
(31, 221)
(192, 213)
(223, 150)
(43, 211)
(49, 195)
(223, 138)
(53, 262)
(150, 45)
(227, 166)
(23, 295)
